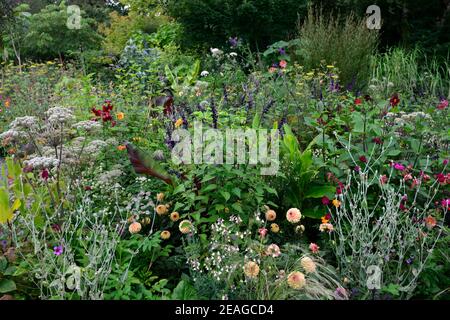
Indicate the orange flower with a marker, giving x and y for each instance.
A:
(161, 209)
(325, 220)
(7, 103)
(121, 147)
(165, 235)
(271, 215)
(135, 227)
(120, 115)
(174, 216)
(283, 64)
(430, 222)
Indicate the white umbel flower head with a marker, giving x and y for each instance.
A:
(59, 115)
(216, 52)
(42, 162)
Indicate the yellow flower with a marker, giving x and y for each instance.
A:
(121, 147)
(160, 196)
(7, 103)
(174, 216)
(161, 209)
(308, 264)
(185, 226)
(296, 280)
(274, 228)
(336, 203)
(137, 139)
(271, 215)
(146, 221)
(251, 269)
(178, 123)
(135, 227)
(165, 235)
(120, 115)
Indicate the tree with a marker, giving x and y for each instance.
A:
(49, 35)
(14, 29)
(260, 22)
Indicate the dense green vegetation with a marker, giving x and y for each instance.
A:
(99, 198)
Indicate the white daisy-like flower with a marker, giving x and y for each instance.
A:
(204, 73)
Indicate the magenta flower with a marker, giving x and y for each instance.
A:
(442, 104)
(398, 166)
(445, 162)
(58, 250)
(363, 159)
(383, 179)
(325, 201)
(44, 174)
(445, 203)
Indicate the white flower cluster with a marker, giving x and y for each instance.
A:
(216, 53)
(87, 125)
(95, 146)
(59, 115)
(42, 162)
(402, 118)
(24, 123)
(12, 134)
(108, 177)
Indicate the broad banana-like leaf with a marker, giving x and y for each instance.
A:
(144, 164)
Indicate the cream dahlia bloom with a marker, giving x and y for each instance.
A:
(296, 280)
(293, 215)
(308, 264)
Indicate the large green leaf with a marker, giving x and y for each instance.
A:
(7, 285)
(320, 191)
(313, 213)
(184, 291)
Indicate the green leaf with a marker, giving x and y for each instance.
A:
(210, 187)
(237, 192)
(7, 285)
(236, 206)
(320, 191)
(313, 213)
(180, 188)
(184, 291)
(226, 195)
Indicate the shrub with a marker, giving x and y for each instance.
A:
(348, 45)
